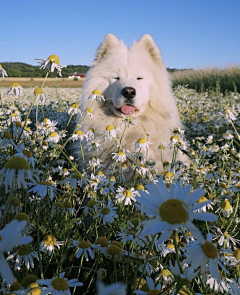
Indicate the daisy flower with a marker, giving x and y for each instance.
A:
(142, 144)
(24, 255)
(170, 209)
(16, 89)
(10, 236)
(40, 97)
(53, 137)
(186, 276)
(49, 244)
(228, 114)
(96, 95)
(111, 132)
(203, 253)
(3, 72)
(5, 139)
(58, 286)
(107, 214)
(120, 156)
(74, 109)
(114, 289)
(83, 248)
(88, 112)
(78, 135)
(126, 196)
(16, 172)
(44, 188)
(152, 288)
(51, 63)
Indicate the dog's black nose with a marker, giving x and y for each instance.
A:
(129, 92)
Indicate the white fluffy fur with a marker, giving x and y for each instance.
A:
(156, 108)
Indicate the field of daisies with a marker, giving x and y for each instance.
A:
(99, 231)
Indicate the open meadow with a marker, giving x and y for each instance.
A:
(161, 232)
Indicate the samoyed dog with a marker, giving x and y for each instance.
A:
(135, 85)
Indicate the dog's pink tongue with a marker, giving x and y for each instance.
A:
(127, 109)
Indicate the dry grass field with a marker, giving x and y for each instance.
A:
(37, 82)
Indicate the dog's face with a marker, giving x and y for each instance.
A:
(127, 74)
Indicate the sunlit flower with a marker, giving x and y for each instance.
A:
(49, 244)
(5, 139)
(40, 97)
(204, 254)
(16, 89)
(171, 208)
(78, 135)
(74, 109)
(111, 132)
(53, 137)
(96, 95)
(126, 196)
(51, 63)
(142, 144)
(3, 72)
(120, 156)
(83, 248)
(226, 208)
(58, 286)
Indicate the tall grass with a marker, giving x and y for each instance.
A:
(212, 79)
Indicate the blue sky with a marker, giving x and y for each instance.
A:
(190, 33)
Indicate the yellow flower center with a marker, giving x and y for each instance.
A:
(100, 172)
(135, 221)
(58, 204)
(84, 244)
(209, 250)
(105, 211)
(54, 59)
(102, 241)
(60, 284)
(140, 187)
(174, 138)
(202, 199)
(154, 292)
(89, 110)
(53, 134)
(113, 178)
(45, 120)
(236, 253)
(113, 250)
(97, 92)
(45, 183)
(173, 212)
(77, 175)
(91, 203)
(17, 163)
(127, 194)
(15, 84)
(38, 91)
(142, 141)
(29, 279)
(34, 291)
(14, 201)
(165, 272)
(116, 243)
(16, 123)
(49, 240)
(24, 250)
(225, 205)
(22, 216)
(6, 134)
(91, 130)
(27, 153)
(15, 286)
(75, 105)
(121, 153)
(67, 204)
(168, 175)
(170, 246)
(110, 127)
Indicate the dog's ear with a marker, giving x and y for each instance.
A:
(147, 42)
(105, 47)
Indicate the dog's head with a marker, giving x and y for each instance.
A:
(127, 74)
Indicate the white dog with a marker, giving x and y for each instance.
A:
(135, 84)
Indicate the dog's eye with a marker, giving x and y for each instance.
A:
(139, 78)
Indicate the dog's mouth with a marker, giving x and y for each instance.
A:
(127, 109)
